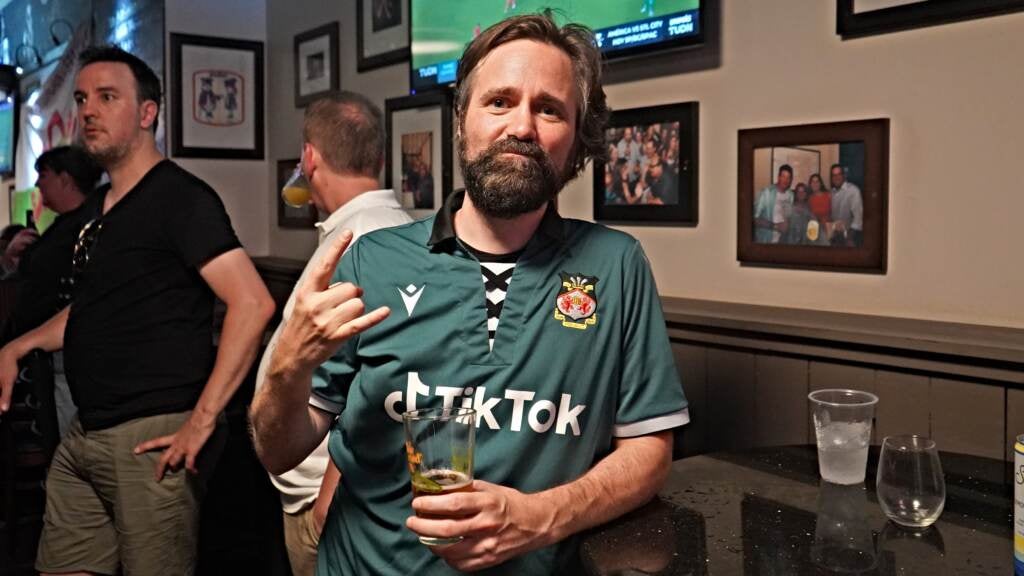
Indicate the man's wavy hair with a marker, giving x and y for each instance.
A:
(578, 43)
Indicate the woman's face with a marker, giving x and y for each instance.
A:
(815, 183)
(801, 193)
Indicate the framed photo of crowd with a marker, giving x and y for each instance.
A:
(858, 18)
(650, 177)
(418, 165)
(815, 196)
(216, 97)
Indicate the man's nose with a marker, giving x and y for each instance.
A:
(521, 123)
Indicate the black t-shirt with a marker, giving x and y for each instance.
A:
(44, 274)
(139, 337)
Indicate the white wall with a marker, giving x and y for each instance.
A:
(242, 184)
(953, 95)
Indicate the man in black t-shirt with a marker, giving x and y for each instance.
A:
(138, 343)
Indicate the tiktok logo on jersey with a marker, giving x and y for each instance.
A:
(540, 415)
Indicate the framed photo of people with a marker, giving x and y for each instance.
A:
(418, 165)
(815, 196)
(382, 33)
(291, 216)
(316, 63)
(216, 97)
(650, 176)
(858, 18)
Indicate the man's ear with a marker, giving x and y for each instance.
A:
(310, 159)
(149, 112)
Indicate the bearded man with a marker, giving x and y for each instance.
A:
(561, 348)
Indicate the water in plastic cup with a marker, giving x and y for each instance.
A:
(842, 425)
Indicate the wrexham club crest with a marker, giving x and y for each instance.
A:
(576, 303)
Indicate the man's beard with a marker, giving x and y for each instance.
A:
(108, 155)
(506, 187)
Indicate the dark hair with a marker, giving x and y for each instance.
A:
(74, 161)
(147, 85)
(578, 43)
(834, 166)
(786, 168)
(9, 232)
(348, 130)
(821, 183)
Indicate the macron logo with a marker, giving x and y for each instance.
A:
(410, 296)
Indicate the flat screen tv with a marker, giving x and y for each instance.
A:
(440, 29)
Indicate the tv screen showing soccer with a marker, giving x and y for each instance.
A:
(442, 28)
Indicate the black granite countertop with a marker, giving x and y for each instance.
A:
(765, 512)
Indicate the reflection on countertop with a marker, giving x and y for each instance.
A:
(765, 512)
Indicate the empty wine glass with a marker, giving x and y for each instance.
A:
(910, 485)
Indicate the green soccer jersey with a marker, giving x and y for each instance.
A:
(580, 357)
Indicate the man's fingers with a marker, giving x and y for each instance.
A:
(320, 276)
(5, 396)
(190, 463)
(360, 324)
(154, 444)
(161, 467)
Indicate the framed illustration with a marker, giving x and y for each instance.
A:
(815, 196)
(858, 18)
(651, 173)
(316, 63)
(217, 97)
(290, 216)
(419, 150)
(382, 33)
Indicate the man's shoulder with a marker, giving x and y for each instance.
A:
(172, 177)
(584, 233)
(397, 236)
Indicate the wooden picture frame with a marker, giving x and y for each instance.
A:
(412, 117)
(316, 66)
(290, 216)
(852, 22)
(382, 33)
(217, 97)
(842, 229)
(626, 190)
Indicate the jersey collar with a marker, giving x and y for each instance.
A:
(443, 235)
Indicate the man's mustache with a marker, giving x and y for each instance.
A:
(516, 146)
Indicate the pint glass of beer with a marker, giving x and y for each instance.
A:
(439, 445)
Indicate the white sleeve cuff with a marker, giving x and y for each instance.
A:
(325, 404)
(651, 425)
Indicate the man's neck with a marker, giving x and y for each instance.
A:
(342, 189)
(495, 235)
(127, 172)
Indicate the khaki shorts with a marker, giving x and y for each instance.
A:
(300, 539)
(106, 514)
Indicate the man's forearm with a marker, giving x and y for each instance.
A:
(627, 478)
(239, 341)
(284, 428)
(48, 336)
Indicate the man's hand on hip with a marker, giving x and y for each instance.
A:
(496, 523)
(183, 446)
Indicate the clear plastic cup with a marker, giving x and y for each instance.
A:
(842, 426)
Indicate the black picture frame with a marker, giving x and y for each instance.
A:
(684, 118)
(852, 24)
(326, 37)
(290, 216)
(873, 173)
(379, 48)
(439, 103)
(211, 145)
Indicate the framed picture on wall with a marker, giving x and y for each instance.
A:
(290, 216)
(651, 174)
(857, 18)
(815, 196)
(382, 33)
(419, 150)
(316, 63)
(216, 97)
